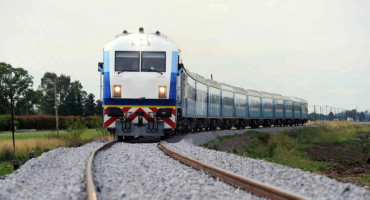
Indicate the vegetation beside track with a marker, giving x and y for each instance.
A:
(339, 150)
(38, 142)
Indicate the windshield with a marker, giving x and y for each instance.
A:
(153, 61)
(127, 61)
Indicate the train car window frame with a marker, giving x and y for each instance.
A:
(267, 104)
(279, 105)
(241, 103)
(125, 70)
(288, 106)
(297, 108)
(254, 103)
(152, 70)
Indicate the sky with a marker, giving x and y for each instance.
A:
(313, 49)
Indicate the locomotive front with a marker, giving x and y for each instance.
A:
(140, 80)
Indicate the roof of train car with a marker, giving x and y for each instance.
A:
(253, 93)
(228, 88)
(289, 98)
(277, 96)
(266, 95)
(240, 90)
(234, 89)
(300, 100)
(156, 39)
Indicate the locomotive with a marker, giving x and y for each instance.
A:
(148, 92)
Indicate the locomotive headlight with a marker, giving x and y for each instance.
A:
(162, 92)
(117, 91)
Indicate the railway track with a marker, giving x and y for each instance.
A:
(90, 186)
(252, 186)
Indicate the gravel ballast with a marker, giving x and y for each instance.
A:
(295, 180)
(57, 174)
(142, 171)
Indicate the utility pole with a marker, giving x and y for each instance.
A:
(101, 99)
(326, 112)
(12, 109)
(314, 111)
(56, 105)
(342, 114)
(334, 113)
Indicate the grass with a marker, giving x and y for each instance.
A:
(25, 131)
(22, 136)
(39, 142)
(365, 179)
(281, 149)
(330, 132)
(287, 148)
(5, 168)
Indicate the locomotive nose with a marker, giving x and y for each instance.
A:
(141, 86)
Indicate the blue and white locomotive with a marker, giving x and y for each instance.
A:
(148, 92)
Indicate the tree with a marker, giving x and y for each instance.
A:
(73, 103)
(90, 105)
(63, 83)
(71, 99)
(331, 116)
(362, 117)
(47, 105)
(14, 82)
(47, 81)
(27, 105)
(99, 107)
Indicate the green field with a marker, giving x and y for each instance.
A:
(325, 149)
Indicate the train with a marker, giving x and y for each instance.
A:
(147, 91)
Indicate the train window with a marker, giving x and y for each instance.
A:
(267, 105)
(227, 101)
(127, 61)
(204, 97)
(215, 99)
(153, 61)
(254, 103)
(240, 103)
(279, 106)
(191, 93)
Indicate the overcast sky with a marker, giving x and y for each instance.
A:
(316, 50)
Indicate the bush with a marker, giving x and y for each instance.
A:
(264, 137)
(6, 123)
(77, 127)
(6, 154)
(45, 122)
(102, 131)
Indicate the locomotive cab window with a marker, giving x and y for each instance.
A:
(127, 61)
(153, 61)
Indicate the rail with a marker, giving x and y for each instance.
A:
(90, 186)
(252, 186)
